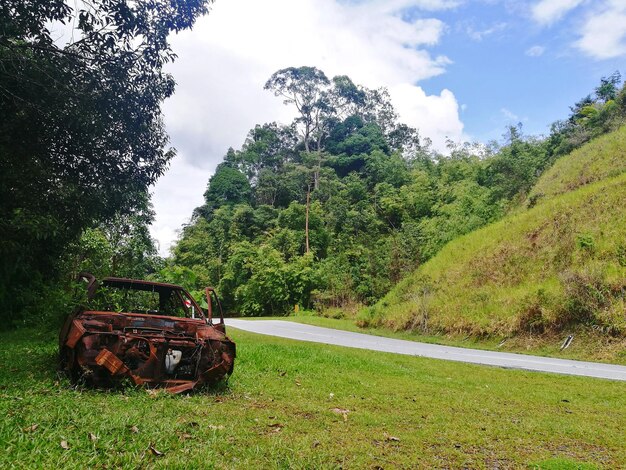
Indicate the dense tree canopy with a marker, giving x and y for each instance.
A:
(326, 212)
(81, 131)
(335, 208)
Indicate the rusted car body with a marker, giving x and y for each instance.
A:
(151, 333)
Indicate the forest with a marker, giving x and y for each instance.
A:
(325, 213)
(345, 218)
(332, 210)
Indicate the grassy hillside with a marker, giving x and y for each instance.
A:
(559, 264)
(300, 405)
(603, 158)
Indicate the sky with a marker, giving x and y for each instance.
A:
(456, 69)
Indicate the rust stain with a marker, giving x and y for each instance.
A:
(172, 344)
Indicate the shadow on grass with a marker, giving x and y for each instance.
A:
(30, 357)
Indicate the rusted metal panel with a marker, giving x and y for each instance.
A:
(113, 363)
(155, 348)
(76, 332)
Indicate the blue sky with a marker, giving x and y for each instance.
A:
(508, 67)
(455, 69)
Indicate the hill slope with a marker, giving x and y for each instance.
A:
(559, 263)
(603, 158)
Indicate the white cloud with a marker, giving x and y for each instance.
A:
(535, 51)
(392, 6)
(548, 11)
(225, 60)
(479, 35)
(509, 115)
(600, 26)
(603, 35)
(177, 193)
(436, 116)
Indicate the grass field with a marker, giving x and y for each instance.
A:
(300, 405)
(556, 268)
(603, 158)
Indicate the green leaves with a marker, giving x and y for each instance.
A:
(258, 281)
(380, 201)
(81, 134)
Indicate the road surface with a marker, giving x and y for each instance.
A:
(316, 334)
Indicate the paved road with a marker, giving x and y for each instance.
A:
(316, 334)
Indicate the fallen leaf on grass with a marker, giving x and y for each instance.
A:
(392, 438)
(65, 445)
(276, 427)
(342, 412)
(298, 383)
(214, 427)
(156, 452)
(134, 429)
(31, 428)
(185, 436)
(92, 437)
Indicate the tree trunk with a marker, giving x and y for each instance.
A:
(316, 175)
(307, 131)
(306, 220)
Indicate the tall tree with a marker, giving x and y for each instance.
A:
(609, 87)
(227, 186)
(81, 129)
(305, 87)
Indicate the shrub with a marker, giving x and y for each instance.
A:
(586, 242)
(586, 293)
(532, 319)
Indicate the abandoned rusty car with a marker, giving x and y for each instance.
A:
(151, 333)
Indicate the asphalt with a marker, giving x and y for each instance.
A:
(316, 334)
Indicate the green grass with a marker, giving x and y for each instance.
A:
(482, 282)
(554, 269)
(602, 158)
(283, 409)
